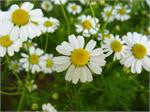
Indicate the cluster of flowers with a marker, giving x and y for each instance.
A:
(22, 23)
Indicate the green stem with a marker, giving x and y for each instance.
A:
(6, 93)
(46, 45)
(66, 18)
(21, 100)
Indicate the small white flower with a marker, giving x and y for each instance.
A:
(122, 12)
(114, 45)
(78, 58)
(49, 24)
(8, 43)
(108, 13)
(24, 19)
(46, 5)
(47, 63)
(15, 66)
(87, 25)
(138, 52)
(74, 8)
(48, 108)
(32, 60)
(59, 2)
(31, 86)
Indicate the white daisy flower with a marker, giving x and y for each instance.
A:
(114, 45)
(79, 59)
(31, 86)
(122, 12)
(46, 5)
(47, 64)
(49, 24)
(32, 61)
(8, 43)
(108, 13)
(59, 2)
(74, 8)
(48, 108)
(25, 19)
(87, 25)
(15, 66)
(138, 52)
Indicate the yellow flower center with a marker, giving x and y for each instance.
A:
(5, 41)
(139, 51)
(34, 59)
(87, 24)
(116, 46)
(74, 7)
(49, 63)
(108, 13)
(20, 17)
(122, 11)
(48, 23)
(80, 57)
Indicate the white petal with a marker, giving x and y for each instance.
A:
(95, 68)
(96, 52)
(139, 66)
(15, 33)
(61, 59)
(88, 73)
(61, 49)
(2, 51)
(27, 6)
(80, 41)
(62, 67)
(90, 45)
(69, 74)
(76, 75)
(73, 41)
(146, 63)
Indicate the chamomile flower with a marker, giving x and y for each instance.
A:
(49, 24)
(32, 60)
(9, 44)
(59, 2)
(87, 25)
(122, 13)
(15, 66)
(24, 19)
(138, 52)
(48, 108)
(114, 45)
(108, 13)
(74, 8)
(47, 64)
(46, 5)
(79, 59)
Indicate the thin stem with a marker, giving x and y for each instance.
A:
(46, 45)
(28, 73)
(66, 18)
(11, 94)
(21, 100)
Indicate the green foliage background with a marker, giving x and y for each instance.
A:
(115, 89)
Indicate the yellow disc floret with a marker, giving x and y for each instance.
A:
(80, 57)
(20, 17)
(34, 59)
(87, 24)
(122, 11)
(5, 41)
(48, 23)
(49, 63)
(74, 7)
(139, 51)
(116, 46)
